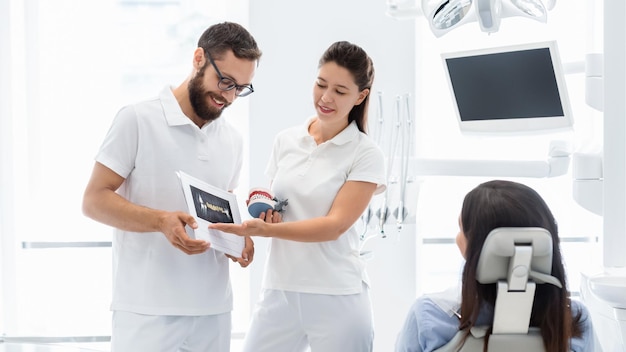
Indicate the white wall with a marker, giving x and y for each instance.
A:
(6, 223)
(293, 35)
(614, 130)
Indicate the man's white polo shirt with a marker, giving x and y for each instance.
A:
(146, 144)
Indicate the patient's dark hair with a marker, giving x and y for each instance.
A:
(496, 204)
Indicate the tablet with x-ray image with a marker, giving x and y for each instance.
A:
(209, 204)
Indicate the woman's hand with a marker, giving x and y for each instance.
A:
(271, 216)
(253, 227)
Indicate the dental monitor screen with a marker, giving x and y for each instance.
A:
(513, 90)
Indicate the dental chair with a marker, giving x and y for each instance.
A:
(517, 260)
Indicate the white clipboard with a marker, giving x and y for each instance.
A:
(209, 204)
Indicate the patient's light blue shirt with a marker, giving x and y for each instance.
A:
(431, 324)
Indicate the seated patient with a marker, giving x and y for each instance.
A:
(434, 319)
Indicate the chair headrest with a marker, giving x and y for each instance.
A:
(500, 247)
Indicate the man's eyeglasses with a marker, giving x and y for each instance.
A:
(226, 83)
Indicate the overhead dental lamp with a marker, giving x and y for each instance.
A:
(446, 15)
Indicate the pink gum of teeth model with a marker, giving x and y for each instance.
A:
(260, 200)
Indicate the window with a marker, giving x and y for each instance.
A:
(70, 66)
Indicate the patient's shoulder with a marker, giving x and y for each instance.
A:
(448, 301)
(585, 342)
(429, 305)
(437, 316)
(579, 308)
(429, 325)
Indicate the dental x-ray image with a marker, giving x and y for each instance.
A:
(210, 207)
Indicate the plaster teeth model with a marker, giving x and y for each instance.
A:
(261, 200)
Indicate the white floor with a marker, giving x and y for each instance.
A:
(28, 347)
(75, 347)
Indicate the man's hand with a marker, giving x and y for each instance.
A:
(172, 224)
(246, 256)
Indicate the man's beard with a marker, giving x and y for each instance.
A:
(198, 98)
